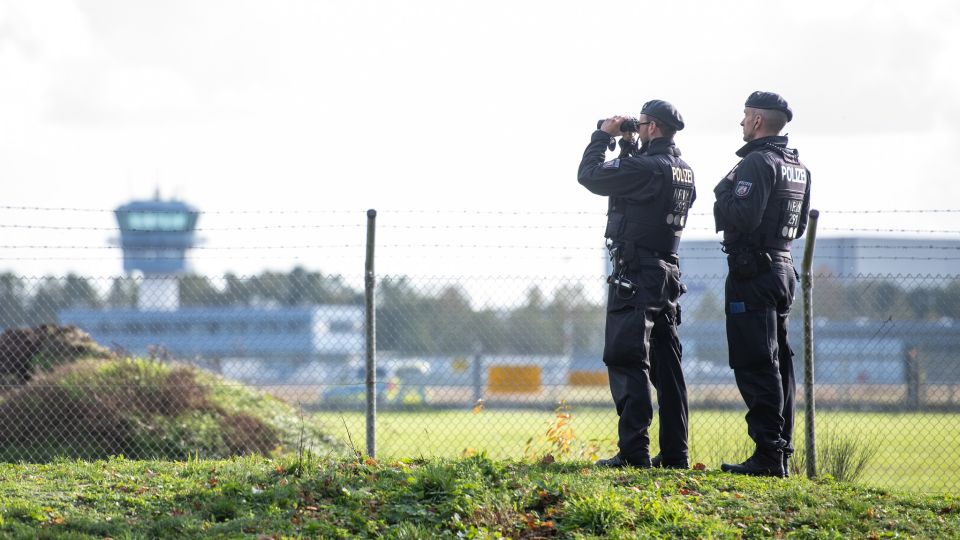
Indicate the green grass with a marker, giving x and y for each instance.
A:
(916, 451)
(476, 497)
(94, 409)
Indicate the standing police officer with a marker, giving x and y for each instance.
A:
(650, 191)
(761, 207)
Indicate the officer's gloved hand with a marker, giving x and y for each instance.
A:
(611, 126)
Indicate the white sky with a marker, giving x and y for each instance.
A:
(448, 105)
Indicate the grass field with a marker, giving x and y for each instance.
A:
(913, 451)
(477, 498)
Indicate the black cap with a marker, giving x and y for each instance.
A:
(769, 100)
(664, 112)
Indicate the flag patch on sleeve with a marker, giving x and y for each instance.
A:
(612, 164)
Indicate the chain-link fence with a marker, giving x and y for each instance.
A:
(173, 366)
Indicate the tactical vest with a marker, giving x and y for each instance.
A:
(654, 224)
(783, 216)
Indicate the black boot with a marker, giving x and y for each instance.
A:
(618, 462)
(786, 465)
(657, 461)
(763, 462)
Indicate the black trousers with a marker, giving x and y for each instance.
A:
(642, 347)
(760, 355)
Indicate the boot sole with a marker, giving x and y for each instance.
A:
(771, 474)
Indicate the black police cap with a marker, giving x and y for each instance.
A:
(769, 100)
(664, 112)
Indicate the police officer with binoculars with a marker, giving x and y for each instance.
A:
(650, 191)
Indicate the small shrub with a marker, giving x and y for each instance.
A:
(221, 509)
(434, 483)
(450, 489)
(598, 514)
(843, 457)
(560, 441)
(409, 531)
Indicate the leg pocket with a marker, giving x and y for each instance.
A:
(654, 282)
(752, 338)
(627, 334)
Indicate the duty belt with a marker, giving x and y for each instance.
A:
(769, 254)
(783, 256)
(748, 263)
(640, 251)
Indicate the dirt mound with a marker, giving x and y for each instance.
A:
(26, 351)
(142, 409)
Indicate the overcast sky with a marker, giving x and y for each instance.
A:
(455, 105)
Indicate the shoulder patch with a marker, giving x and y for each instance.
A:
(743, 189)
(612, 164)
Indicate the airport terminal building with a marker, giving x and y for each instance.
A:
(263, 343)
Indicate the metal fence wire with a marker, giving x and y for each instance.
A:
(508, 365)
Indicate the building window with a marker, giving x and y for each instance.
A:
(157, 221)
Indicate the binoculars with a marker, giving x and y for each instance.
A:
(629, 124)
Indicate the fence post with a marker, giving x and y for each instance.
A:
(476, 372)
(808, 379)
(915, 377)
(370, 284)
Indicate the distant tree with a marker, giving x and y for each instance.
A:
(311, 288)
(949, 304)
(399, 317)
(532, 328)
(709, 308)
(79, 292)
(302, 288)
(535, 299)
(198, 291)
(453, 322)
(579, 316)
(923, 303)
(55, 294)
(237, 291)
(830, 299)
(123, 293)
(13, 299)
(269, 288)
(416, 321)
(296, 288)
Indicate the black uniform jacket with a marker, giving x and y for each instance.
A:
(744, 193)
(633, 175)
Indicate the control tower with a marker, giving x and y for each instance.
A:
(155, 236)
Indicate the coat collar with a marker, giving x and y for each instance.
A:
(776, 142)
(662, 145)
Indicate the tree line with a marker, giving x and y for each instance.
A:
(410, 319)
(413, 319)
